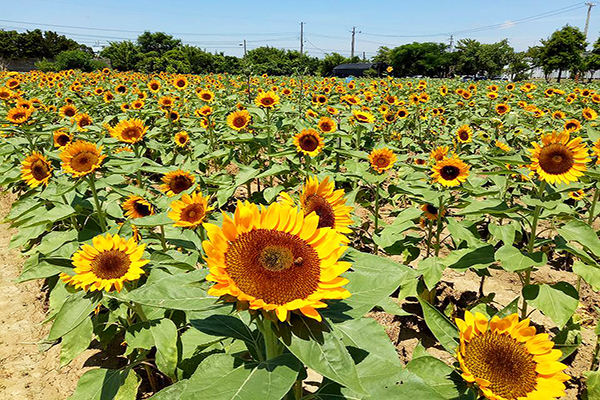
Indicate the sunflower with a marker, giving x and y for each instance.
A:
(572, 125)
(206, 95)
(507, 360)
(267, 99)
(589, 114)
(363, 116)
(176, 182)
(464, 134)
(577, 194)
(327, 125)
(166, 102)
(431, 212)
(61, 138)
(382, 159)
(68, 111)
(238, 120)
(172, 115)
(107, 264)
(180, 82)
(129, 131)
(83, 120)
(181, 139)
(80, 158)
(322, 198)
(502, 146)
(5, 93)
(309, 142)
(204, 111)
(450, 171)
(502, 108)
(190, 211)
(18, 115)
(559, 158)
(439, 153)
(276, 260)
(36, 170)
(559, 115)
(137, 207)
(402, 113)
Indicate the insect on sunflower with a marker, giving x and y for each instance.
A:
(176, 182)
(80, 158)
(137, 207)
(107, 264)
(275, 259)
(382, 159)
(36, 170)
(507, 360)
(309, 142)
(450, 171)
(190, 211)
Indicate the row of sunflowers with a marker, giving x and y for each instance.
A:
(230, 234)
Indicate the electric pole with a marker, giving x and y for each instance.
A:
(587, 20)
(451, 42)
(302, 37)
(364, 56)
(244, 44)
(353, 35)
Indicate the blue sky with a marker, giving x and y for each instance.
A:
(222, 25)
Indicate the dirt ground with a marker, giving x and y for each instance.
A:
(26, 373)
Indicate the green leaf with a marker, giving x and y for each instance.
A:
(558, 301)
(165, 340)
(218, 378)
(477, 258)
(154, 220)
(321, 348)
(271, 192)
(129, 389)
(437, 375)
(76, 342)
(432, 269)
(582, 233)
(589, 273)
(101, 384)
(511, 308)
(441, 327)
(592, 382)
(506, 233)
(24, 235)
(514, 260)
(460, 233)
(74, 310)
(172, 392)
(58, 213)
(225, 326)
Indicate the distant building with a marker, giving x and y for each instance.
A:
(356, 69)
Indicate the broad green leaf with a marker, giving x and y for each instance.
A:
(459, 233)
(558, 301)
(76, 342)
(129, 388)
(225, 326)
(511, 308)
(432, 269)
(476, 258)
(172, 392)
(24, 235)
(592, 383)
(589, 273)
(506, 233)
(441, 327)
(582, 233)
(438, 376)
(100, 384)
(218, 378)
(514, 260)
(74, 310)
(165, 340)
(154, 220)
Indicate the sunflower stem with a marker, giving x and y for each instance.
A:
(138, 172)
(375, 247)
(438, 232)
(429, 235)
(163, 240)
(72, 217)
(101, 218)
(593, 206)
(273, 347)
(531, 244)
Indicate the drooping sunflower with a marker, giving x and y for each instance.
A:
(107, 264)
(382, 159)
(559, 158)
(589, 114)
(323, 199)
(129, 131)
(190, 211)
(431, 212)
(309, 142)
(577, 194)
(439, 153)
(327, 125)
(137, 207)
(36, 170)
(238, 120)
(18, 115)
(267, 99)
(507, 360)
(363, 116)
(181, 139)
(502, 146)
(464, 134)
(275, 259)
(61, 138)
(176, 182)
(450, 171)
(81, 157)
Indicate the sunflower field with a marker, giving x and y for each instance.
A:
(256, 237)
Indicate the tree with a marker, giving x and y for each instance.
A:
(123, 56)
(591, 62)
(200, 61)
(468, 53)
(329, 62)
(428, 59)
(157, 42)
(383, 55)
(518, 66)
(75, 59)
(563, 50)
(494, 57)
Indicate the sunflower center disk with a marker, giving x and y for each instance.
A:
(192, 213)
(84, 161)
(322, 208)
(449, 172)
(309, 143)
(39, 170)
(274, 266)
(142, 209)
(180, 183)
(504, 362)
(556, 159)
(239, 122)
(111, 264)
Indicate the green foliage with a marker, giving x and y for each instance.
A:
(563, 50)
(123, 56)
(427, 59)
(36, 44)
(75, 59)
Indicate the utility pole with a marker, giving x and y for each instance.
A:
(364, 56)
(587, 20)
(451, 43)
(244, 44)
(302, 37)
(353, 35)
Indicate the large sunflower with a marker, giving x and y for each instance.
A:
(507, 360)
(322, 198)
(267, 99)
(450, 171)
(382, 159)
(137, 207)
(81, 157)
(238, 120)
(107, 264)
(309, 142)
(275, 259)
(190, 211)
(18, 115)
(129, 131)
(559, 158)
(176, 182)
(36, 170)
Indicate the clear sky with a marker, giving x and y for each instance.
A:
(223, 25)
